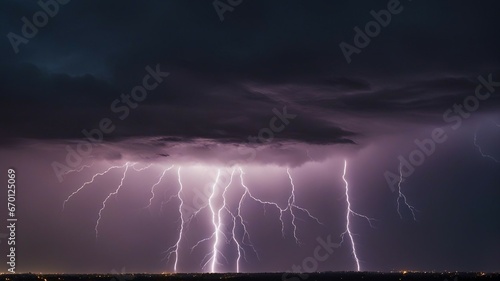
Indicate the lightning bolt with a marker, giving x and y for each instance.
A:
(401, 196)
(481, 151)
(215, 222)
(239, 216)
(239, 248)
(90, 182)
(235, 217)
(141, 169)
(218, 230)
(79, 169)
(291, 205)
(348, 221)
(249, 194)
(213, 257)
(175, 248)
(107, 198)
(157, 183)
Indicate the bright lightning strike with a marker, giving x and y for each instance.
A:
(218, 230)
(249, 194)
(481, 151)
(242, 221)
(401, 196)
(157, 183)
(348, 221)
(238, 217)
(291, 202)
(233, 232)
(107, 198)
(175, 248)
(90, 182)
(216, 223)
(292, 205)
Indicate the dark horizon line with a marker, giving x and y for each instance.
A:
(265, 272)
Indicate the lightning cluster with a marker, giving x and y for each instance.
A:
(237, 219)
(175, 248)
(229, 225)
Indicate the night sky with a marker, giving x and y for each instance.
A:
(403, 94)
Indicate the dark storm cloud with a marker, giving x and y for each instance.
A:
(427, 96)
(60, 106)
(227, 77)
